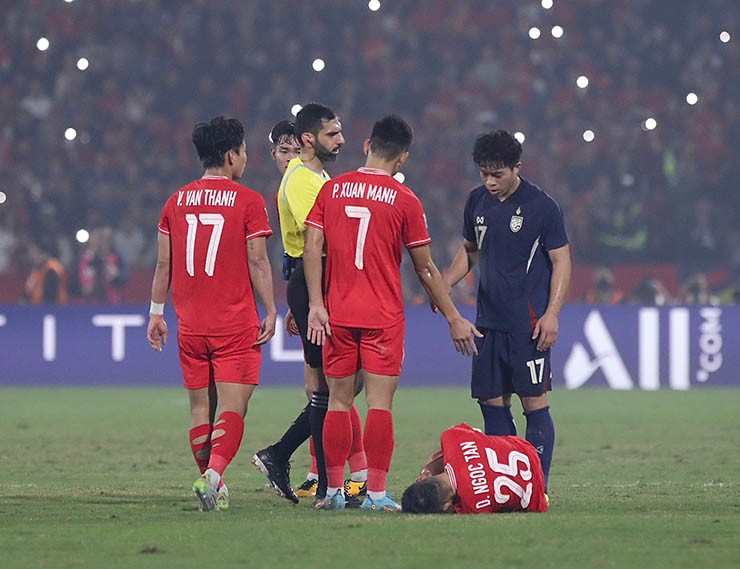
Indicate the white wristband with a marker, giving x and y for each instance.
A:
(156, 308)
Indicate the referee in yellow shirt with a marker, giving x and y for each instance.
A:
(319, 133)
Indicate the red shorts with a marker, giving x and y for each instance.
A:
(229, 359)
(379, 351)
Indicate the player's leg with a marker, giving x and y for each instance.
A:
(381, 356)
(356, 484)
(487, 385)
(308, 488)
(532, 380)
(197, 379)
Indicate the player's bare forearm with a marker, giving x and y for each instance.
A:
(260, 273)
(461, 330)
(465, 259)
(560, 279)
(161, 280)
(312, 251)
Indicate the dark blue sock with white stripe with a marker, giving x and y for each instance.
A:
(541, 433)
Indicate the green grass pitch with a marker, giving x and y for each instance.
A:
(101, 478)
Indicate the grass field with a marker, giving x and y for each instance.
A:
(101, 478)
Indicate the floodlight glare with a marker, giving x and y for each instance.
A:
(374, 5)
(82, 236)
(295, 109)
(557, 32)
(649, 124)
(318, 64)
(692, 98)
(588, 135)
(82, 63)
(3, 197)
(70, 134)
(520, 137)
(724, 36)
(582, 81)
(42, 44)
(546, 4)
(534, 32)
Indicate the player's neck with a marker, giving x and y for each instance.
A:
(219, 172)
(389, 166)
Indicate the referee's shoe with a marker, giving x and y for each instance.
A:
(277, 473)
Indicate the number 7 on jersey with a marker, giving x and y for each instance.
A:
(363, 214)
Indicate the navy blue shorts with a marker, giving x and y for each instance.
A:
(509, 363)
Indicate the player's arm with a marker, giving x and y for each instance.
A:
(433, 465)
(461, 330)
(465, 259)
(156, 331)
(318, 318)
(260, 272)
(546, 328)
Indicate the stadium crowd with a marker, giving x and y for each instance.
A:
(452, 69)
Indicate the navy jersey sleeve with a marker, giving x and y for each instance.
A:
(553, 233)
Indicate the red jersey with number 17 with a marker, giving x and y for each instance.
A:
(492, 474)
(367, 218)
(209, 222)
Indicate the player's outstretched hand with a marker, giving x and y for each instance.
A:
(267, 329)
(290, 326)
(463, 332)
(156, 332)
(318, 326)
(546, 331)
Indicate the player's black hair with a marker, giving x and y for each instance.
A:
(498, 148)
(214, 139)
(311, 118)
(282, 130)
(391, 137)
(424, 497)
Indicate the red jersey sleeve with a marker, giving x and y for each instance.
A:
(492, 474)
(415, 232)
(256, 222)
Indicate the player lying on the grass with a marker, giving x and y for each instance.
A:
(475, 473)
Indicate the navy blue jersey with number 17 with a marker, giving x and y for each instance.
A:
(513, 238)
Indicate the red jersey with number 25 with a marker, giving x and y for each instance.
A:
(367, 218)
(492, 474)
(209, 222)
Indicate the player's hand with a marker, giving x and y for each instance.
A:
(290, 326)
(463, 332)
(156, 332)
(546, 332)
(318, 326)
(267, 329)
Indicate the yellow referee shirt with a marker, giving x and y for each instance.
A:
(296, 196)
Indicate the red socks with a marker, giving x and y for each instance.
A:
(225, 440)
(200, 445)
(378, 447)
(337, 442)
(357, 459)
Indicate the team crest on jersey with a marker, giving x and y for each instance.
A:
(516, 221)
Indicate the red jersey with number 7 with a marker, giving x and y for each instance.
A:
(209, 222)
(492, 474)
(367, 218)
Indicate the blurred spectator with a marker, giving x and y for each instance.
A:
(695, 290)
(650, 292)
(102, 273)
(603, 290)
(437, 63)
(47, 282)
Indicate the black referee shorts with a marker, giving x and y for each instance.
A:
(297, 295)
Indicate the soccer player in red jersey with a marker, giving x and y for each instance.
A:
(365, 218)
(475, 473)
(212, 246)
